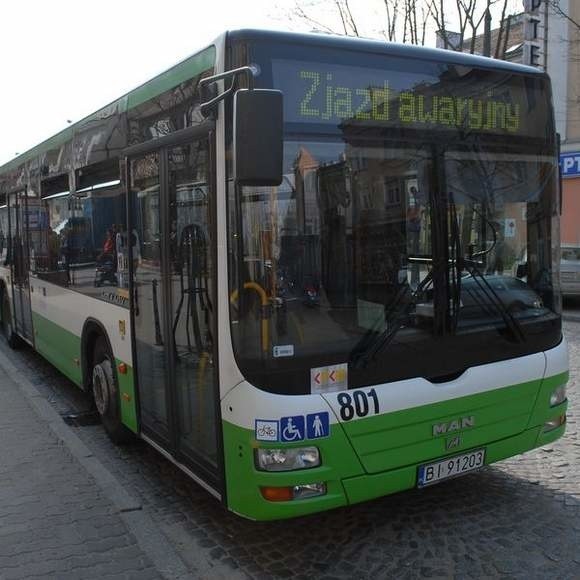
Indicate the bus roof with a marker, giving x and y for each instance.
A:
(204, 59)
(383, 47)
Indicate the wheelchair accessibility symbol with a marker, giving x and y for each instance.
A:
(292, 428)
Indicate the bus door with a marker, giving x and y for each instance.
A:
(19, 263)
(173, 286)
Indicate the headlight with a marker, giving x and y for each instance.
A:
(558, 396)
(287, 459)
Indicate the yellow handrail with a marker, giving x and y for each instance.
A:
(264, 303)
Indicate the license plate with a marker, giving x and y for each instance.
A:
(451, 467)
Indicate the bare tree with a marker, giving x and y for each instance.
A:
(409, 20)
(392, 11)
(404, 20)
(301, 14)
(348, 22)
(414, 14)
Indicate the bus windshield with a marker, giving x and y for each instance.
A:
(412, 233)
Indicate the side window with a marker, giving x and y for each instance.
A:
(4, 232)
(33, 220)
(99, 243)
(21, 232)
(50, 259)
(83, 240)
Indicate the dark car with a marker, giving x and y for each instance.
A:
(478, 301)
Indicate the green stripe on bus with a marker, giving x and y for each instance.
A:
(128, 403)
(169, 79)
(63, 349)
(347, 477)
(59, 346)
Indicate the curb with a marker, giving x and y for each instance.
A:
(148, 536)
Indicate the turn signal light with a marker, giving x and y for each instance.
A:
(302, 491)
(554, 423)
(122, 367)
(277, 493)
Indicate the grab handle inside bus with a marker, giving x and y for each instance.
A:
(258, 136)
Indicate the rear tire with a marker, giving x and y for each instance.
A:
(7, 327)
(106, 393)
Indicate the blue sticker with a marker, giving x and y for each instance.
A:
(292, 428)
(317, 425)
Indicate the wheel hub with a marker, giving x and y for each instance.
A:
(101, 389)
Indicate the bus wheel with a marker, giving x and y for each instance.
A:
(7, 328)
(106, 394)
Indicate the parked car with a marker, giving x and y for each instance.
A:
(517, 297)
(570, 271)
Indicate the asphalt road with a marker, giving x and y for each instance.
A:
(517, 519)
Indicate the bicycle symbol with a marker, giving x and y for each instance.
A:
(266, 431)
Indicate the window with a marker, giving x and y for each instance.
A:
(83, 235)
(4, 233)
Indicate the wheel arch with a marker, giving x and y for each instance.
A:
(92, 330)
(4, 289)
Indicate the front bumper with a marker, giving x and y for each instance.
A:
(345, 480)
(363, 488)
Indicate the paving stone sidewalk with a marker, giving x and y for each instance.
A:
(55, 520)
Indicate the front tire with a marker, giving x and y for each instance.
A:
(106, 393)
(7, 327)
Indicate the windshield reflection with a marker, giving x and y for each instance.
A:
(354, 255)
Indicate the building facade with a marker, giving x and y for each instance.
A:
(568, 119)
(525, 39)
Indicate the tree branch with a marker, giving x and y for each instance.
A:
(339, 8)
(301, 14)
(351, 19)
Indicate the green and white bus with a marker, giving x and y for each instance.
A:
(309, 270)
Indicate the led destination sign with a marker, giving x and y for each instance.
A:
(334, 94)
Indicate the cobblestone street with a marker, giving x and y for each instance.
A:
(517, 519)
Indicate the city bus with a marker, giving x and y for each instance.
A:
(309, 270)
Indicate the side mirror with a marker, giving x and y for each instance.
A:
(258, 137)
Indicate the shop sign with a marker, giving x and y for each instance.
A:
(570, 164)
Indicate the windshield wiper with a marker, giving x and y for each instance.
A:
(367, 349)
(393, 324)
(471, 266)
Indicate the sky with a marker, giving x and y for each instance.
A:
(64, 59)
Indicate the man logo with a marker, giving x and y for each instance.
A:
(453, 442)
(452, 426)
